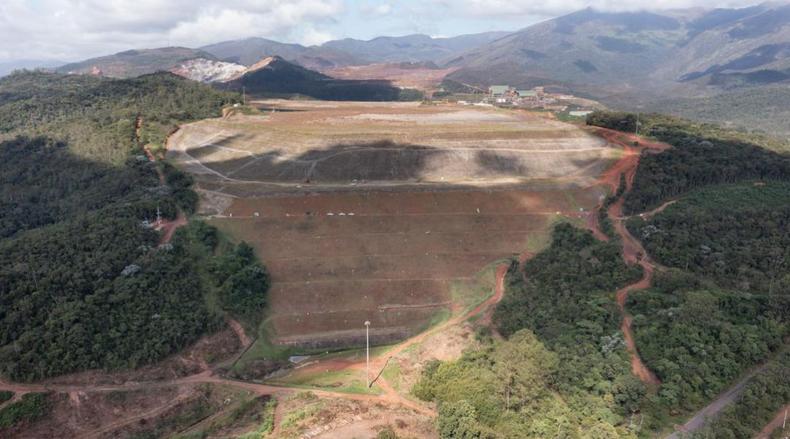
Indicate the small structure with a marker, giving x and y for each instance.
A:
(498, 91)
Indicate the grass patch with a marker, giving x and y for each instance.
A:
(471, 293)
(266, 425)
(392, 374)
(311, 406)
(31, 407)
(344, 381)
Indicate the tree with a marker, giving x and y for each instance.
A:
(458, 420)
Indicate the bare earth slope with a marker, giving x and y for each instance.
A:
(380, 211)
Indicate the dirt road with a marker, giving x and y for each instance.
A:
(782, 418)
(633, 252)
(712, 409)
(389, 397)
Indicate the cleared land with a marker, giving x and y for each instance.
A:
(401, 75)
(381, 212)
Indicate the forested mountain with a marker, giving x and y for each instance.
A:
(131, 63)
(96, 116)
(277, 77)
(85, 280)
(762, 109)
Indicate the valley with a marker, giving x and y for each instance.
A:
(489, 235)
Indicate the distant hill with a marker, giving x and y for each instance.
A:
(411, 48)
(765, 109)
(274, 76)
(645, 53)
(7, 67)
(132, 63)
(350, 52)
(251, 50)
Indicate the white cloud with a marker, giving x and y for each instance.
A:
(76, 29)
(311, 36)
(73, 29)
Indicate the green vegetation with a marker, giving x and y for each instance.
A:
(564, 369)
(257, 411)
(281, 78)
(345, 381)
(84, 283)
(735, 235)
(756, 406)
(723, 305)
(96, 117)
(762, 109)
(701, 155)
(721, 308)
(604, 222)
(32, 406)
(387, 433)
(242, 283)
(565, 291)
(699, 339)
(265, 420)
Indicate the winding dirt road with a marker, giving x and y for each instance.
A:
(207, 376)
(633, 252)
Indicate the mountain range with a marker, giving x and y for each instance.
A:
(624, 59)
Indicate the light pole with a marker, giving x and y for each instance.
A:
(367, 351)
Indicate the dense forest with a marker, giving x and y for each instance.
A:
(721, 305)
(737, 235)
(701, 155)
(285, 79)
(566, 370)
(96, 116)
(756, 406)
(761, 108)
(85, 281)
(699, 338)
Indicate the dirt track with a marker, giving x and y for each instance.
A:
(633, 252)
(390, 396)
(781, 418)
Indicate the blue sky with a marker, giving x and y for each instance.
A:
(69, 30)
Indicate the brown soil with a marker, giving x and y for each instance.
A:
(782, 416)
(633, 252)
(392, 262)
(409, 77)
(169, 227)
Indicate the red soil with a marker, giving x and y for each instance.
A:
(633, 252)
(782, 416)
(169, 227)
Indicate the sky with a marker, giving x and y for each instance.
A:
(69, 30)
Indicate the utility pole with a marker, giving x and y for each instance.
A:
(637, 123)
(367, 351)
